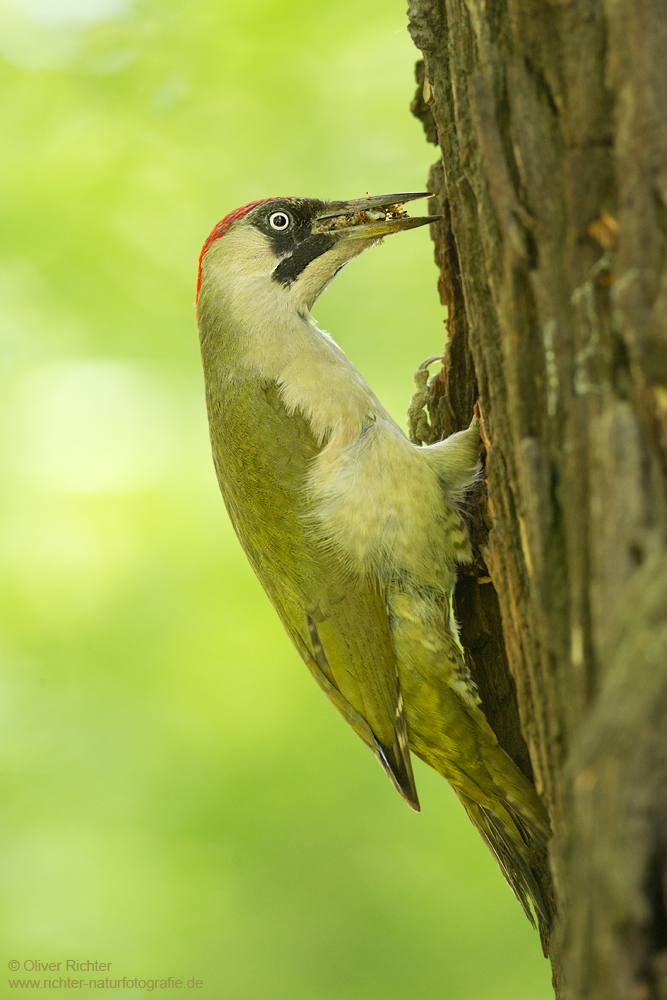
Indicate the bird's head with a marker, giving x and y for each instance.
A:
(287, 250)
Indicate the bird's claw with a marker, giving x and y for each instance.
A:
(419, 428)
(429, 361)
(478, 418)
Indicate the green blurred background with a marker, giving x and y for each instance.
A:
(178, 797)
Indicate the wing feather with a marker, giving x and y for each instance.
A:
(339, 624)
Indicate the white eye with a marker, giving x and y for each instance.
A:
(279, 221)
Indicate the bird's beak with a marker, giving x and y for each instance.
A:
(370, 218)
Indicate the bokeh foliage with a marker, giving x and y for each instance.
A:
(177, 796)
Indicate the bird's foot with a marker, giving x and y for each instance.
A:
(419, 427)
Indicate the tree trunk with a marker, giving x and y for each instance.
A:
(551, 116)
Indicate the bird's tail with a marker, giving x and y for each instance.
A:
(499, 799)
(449, 731)
(504, 806)
(521, 855)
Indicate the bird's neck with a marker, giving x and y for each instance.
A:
(283, 344)
(319, 381)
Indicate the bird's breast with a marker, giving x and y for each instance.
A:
(380, 504)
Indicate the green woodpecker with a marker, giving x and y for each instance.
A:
(352, 530)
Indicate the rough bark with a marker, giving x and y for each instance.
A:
(551, 116)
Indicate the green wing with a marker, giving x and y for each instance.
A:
(339, 625)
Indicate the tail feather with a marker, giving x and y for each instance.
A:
(447, 728)
(503, 836)
(516, 791)
(501, 802)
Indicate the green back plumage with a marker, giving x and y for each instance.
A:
(339, 625)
